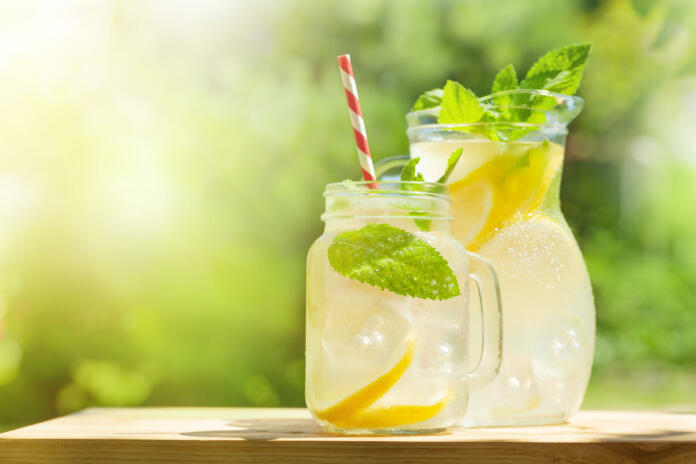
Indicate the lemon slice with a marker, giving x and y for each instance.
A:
(353, 413)
(363, 398)
(393, 416)
(472, 204)
(503, 190)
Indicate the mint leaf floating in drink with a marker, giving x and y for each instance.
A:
(430, 99)
(559, 70)
(395, 260)
(459, 105)
(409, 173)
(423, 224)
(451, 163)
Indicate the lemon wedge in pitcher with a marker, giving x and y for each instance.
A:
(501, 191)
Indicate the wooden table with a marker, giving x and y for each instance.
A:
(197, 435)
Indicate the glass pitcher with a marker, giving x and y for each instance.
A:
(505, 202)
(387, 312)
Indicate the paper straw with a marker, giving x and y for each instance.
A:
(356, 119)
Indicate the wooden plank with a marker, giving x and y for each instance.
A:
(193, 435)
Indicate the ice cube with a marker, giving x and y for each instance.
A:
(515, 390)
(362, 331)
(559, 347)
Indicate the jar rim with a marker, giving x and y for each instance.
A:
(570, 105)
(387, 199)
(554, 125)
(433, 190)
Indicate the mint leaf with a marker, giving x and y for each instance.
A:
(429, 99)
(459, 105)
(451, 163)
(409, 173)
(506, 79)
(393, 259)
(559, 70)
(423, 224)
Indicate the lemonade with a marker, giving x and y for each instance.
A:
(506, 208)
(387, 321)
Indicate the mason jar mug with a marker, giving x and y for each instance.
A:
(387, 312)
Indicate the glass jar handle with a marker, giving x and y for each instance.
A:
(491, 356)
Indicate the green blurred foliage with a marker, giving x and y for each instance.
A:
(162, 165)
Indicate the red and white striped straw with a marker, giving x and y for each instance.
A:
(356, 119)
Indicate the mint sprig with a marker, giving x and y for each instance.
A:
(558, 71)
(395, 260)
(409, 173)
